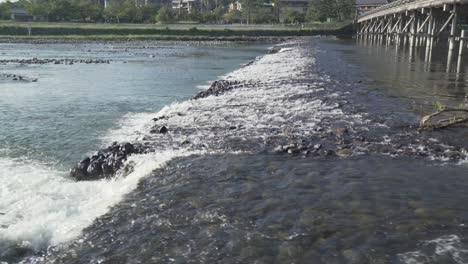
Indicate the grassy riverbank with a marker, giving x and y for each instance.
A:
(165, 32)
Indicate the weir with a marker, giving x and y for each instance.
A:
(418, 24)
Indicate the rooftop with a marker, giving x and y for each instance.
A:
(296, 1)
(371, 2)
(18, 11)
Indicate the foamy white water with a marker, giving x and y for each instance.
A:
(449, 247)
(41, 207)
(273, 103)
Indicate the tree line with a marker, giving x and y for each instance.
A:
(211, 11)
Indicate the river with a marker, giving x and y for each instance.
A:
(313, 159)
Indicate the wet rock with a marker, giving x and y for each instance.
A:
(351, 256)
(104, 163)
(344, 153)
(163, 130)
(454, 155)
(159, 118)
(327, 153)
(54, 61)
(274, 50)
(217, 88)
(317, 147)
(293, 150)
(94, 169)
(278, 149)
(339, 132)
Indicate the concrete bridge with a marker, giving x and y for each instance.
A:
(417, 23)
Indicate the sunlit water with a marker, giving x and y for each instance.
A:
(213, 191)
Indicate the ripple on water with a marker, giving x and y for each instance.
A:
(261, 208)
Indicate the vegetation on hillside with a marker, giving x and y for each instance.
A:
(214, 11)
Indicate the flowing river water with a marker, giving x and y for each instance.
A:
(313, 158)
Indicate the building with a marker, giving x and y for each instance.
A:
(186, 6)
(363, 6)
(236, 6)
(159, 3)
(20, 14)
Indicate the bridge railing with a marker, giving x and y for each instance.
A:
(386, 7)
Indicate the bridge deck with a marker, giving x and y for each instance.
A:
(405, 5)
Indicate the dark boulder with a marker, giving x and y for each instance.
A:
(274, 50)
(104, 163)
(159, 118)
(160, 130)
(218, 88)
(163, 130)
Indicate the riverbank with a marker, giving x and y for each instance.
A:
(74, 39)
(22, 32)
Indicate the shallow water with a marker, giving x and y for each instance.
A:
(49, 125)
(277, 209)
(214, 189)
(67, 112)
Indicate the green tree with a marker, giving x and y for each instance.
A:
(233, 16)
(5, 10)
(295, 17)
(148, 13)
(250, 9)
(195, 15)
(165, 15)
(320, 10)
(86, 10)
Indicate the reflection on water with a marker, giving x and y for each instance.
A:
(426, 74)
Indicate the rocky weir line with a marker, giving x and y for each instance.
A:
(54, 61)
(16, 77)
(279, 103)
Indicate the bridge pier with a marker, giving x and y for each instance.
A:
(417, 24)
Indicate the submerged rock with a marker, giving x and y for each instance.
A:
(104, 163)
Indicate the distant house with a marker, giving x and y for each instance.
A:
(363, 6)
(186, 6)
(159, 3)
(235, 6)
(20, 14)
